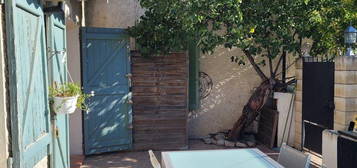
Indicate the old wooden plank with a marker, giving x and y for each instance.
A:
(267, 127)
(160, 99)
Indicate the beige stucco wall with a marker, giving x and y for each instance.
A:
(232, 87)
(112, 13)
(3, 130)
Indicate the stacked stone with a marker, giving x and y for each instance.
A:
(298, 103)
(345, 91)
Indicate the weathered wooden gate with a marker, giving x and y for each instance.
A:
(317, 102)
(30, 116)
(105, 74)
(57, 70)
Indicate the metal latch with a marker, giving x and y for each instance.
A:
(129, 101)
(57, 132)
(129, 76)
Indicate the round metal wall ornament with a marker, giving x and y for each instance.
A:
(206, 85)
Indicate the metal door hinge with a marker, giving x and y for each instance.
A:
(56, 132)
(9, 162)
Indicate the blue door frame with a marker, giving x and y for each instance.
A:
(57, 70)
(105, 69)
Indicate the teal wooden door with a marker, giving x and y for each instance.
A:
(57, 69)
(29, 107)
(105, 69)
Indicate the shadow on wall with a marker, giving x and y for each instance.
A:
(232, 87)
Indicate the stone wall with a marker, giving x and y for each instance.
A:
(298, 104)
(345, 91)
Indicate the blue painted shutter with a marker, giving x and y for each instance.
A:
(57, 68)
(30, 117)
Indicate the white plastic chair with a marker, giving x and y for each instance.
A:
(292, 158)
(154, 162)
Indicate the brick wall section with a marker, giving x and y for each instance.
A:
(160, 101)
(345, 91)
(298, 104)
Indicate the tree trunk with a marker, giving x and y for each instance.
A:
(251, 110)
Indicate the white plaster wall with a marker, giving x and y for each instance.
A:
(74, 68)
(329, 149)
(3, 130)
(286, 123)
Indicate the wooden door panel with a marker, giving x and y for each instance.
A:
(105, 60)
(28, 82)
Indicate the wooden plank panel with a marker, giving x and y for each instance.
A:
(160, 101)
(268, 126)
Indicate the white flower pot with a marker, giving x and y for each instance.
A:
(65, 105)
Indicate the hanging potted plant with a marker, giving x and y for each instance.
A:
(67, 97)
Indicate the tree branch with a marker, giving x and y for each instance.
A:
(278, 65)
(271, 67)
(255, 65)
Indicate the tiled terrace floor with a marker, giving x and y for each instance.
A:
(141, 159)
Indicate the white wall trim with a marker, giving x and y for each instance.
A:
(3, 130)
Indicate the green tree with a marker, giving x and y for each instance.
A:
(263, 29)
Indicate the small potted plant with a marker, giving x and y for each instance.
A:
(66, 97)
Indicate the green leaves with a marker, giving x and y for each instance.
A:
(266, 27)
(168, 25)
